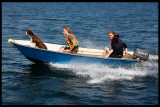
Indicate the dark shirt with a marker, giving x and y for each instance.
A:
(117, 46)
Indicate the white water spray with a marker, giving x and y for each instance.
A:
(99, 73)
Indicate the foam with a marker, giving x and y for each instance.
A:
(99, 73)
(153, 57)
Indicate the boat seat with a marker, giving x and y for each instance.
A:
(127, 56)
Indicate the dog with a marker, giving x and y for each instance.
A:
(35, 40)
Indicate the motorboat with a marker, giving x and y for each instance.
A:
(84, 55)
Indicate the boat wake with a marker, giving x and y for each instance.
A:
(99, 73)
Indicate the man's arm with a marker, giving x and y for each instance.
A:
(126, 50)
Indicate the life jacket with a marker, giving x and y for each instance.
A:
(70, 43)
(119, 42)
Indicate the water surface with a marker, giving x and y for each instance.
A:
(27, 83)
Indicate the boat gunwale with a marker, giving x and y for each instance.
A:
(83, 55)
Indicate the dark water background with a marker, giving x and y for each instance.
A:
(26, 83)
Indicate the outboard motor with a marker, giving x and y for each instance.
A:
(141, 54)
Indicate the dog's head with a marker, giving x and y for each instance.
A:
(29, 32)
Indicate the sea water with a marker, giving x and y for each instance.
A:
(27, 83)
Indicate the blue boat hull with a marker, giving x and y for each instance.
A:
(40, 55)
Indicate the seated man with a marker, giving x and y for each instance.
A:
(71, 41)
(117, 45)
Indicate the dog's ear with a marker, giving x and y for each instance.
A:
(30, 32)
